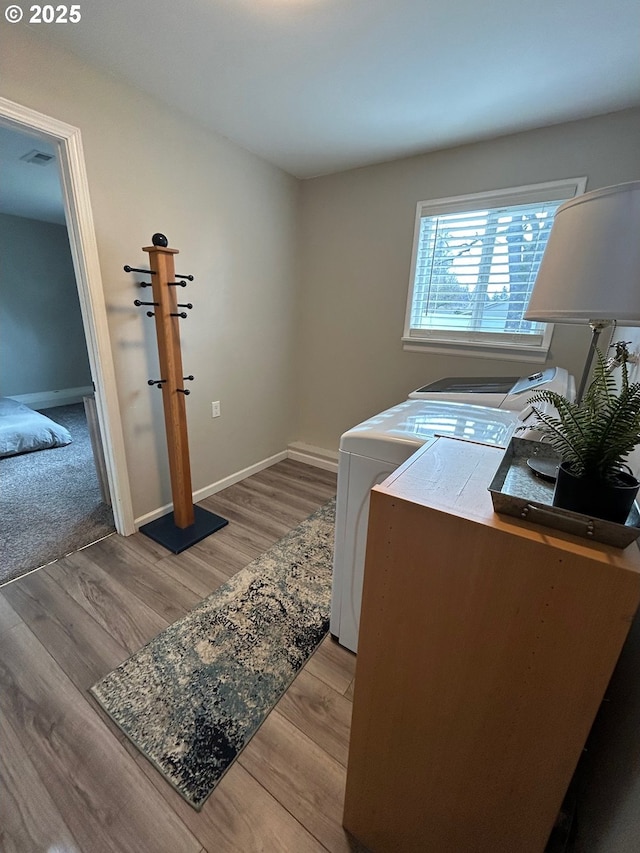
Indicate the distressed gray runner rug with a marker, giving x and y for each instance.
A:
(193, 697)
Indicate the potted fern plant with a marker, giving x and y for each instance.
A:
(593, 438)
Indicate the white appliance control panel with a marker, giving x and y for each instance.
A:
(501, 392)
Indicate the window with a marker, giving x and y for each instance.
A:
(475, 261)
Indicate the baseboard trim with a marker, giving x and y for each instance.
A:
(218, 486)
(49, 399)
(307, 453)
(319, 457)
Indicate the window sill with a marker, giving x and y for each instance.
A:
(474, 349)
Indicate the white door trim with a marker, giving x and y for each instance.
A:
(84, 251)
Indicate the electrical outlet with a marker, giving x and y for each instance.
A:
(215, 409)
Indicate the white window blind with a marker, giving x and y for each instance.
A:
(475, 261)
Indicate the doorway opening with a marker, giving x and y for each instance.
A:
(65, 141)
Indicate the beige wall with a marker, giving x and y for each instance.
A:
(233, 218)
(355, 254)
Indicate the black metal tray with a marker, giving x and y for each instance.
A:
(517, 491)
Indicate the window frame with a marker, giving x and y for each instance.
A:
(474, 343)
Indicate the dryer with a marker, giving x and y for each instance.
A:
(368, 454)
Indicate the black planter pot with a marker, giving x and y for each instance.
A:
(598, 498)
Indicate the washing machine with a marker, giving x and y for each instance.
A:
(500, 392)
(370, 452)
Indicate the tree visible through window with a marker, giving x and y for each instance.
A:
(475, 261)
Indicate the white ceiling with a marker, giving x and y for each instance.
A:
(318, 86)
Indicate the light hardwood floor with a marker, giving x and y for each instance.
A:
(71, 782)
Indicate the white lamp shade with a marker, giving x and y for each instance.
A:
(590, 269)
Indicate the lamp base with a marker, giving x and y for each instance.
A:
(596, 328)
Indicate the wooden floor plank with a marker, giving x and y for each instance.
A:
(255, 507)
(146, 547)
(131, 622)
(200, 574)
(85, 613)
(300, 472)
(167, 597)
(292, 492)
(249, 521)
(247, 527)
(263, 500)
(231, 548)
(320, 712)
(300, 775)
(268, 497)
(8, 616)
(333, 664)
(83, 649)
(100, 792)
(29, 820)
(239, 817)
(297, 488)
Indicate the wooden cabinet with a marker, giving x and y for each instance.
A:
(486, 645)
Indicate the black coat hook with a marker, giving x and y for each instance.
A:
(157, 382)
(184, 391)
(190, 378)
(176, 283)
(138, 303)
(185, 305)
(182, 314)
(188, 277)
(127, 268)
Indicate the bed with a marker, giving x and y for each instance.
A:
(23, 430)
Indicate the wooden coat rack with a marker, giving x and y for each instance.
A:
(186, 524)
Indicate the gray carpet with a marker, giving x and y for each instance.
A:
(50, 501)
(192, 698)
